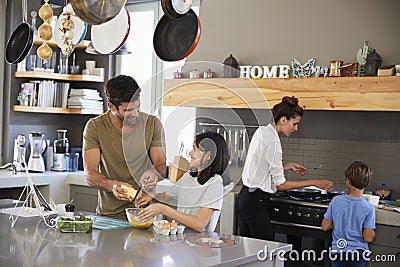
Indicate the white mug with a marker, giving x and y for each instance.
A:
(90, 65)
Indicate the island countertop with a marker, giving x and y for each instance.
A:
(31, 243)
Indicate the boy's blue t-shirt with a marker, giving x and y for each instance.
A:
(350, 215)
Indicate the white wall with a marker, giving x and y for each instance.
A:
(270, 32)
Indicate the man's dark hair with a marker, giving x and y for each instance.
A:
(359, 174)
(120, 89)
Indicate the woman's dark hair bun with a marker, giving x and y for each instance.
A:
(290, 100)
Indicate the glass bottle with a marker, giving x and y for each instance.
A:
(384, 192)
(34, 15)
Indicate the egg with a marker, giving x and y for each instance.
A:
(165, 226)
(173, 224)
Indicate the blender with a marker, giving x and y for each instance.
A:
(38, 146)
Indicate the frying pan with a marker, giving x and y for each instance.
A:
(21, 40)
(110, 36)
(335, 192)
(175, 39)
(304, 193)
(96, 12)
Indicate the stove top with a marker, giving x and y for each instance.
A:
(298, 211)
(320, 201)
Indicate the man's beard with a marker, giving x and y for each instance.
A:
(127, 120)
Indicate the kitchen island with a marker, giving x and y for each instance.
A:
(31, 243)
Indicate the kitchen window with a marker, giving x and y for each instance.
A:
(149, 71)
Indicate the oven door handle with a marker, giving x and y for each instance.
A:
(297, 225)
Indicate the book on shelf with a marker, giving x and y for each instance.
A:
(84, 92)
(46, 93)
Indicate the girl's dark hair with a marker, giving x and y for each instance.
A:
(359, 174)
(289, 108)
(215, 144)
(121, 89)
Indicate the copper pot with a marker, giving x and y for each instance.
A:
(337, 66)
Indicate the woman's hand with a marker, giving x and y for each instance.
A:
(151, 211)
(295, 167)
(323, 184)
(143, 199)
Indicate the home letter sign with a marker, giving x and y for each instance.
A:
(264, 71)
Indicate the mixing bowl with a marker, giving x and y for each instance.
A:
(133, 214)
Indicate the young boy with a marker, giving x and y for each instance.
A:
(352, 219)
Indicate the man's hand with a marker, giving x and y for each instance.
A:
(119, 192)
(149, 179)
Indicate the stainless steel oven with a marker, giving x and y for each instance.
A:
(299, 220)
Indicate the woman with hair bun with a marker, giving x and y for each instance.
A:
(263, 171)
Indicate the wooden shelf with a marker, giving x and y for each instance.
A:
(330, 93)
(52, 43)
(58, 76)
(56, 110)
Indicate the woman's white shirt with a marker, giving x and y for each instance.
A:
(192, 196)
(263, 167)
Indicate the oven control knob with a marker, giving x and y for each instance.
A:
(308, 215)
(276, 210)
(298, 214)
(317, 216)
(290, 213)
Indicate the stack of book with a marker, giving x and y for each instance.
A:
(45, 93)
(85, 99)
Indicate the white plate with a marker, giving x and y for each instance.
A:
(79, 30)
(110, 36)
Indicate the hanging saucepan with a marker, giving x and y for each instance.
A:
(304, 193)
(336, 192)
(175, 39)
(176, 8)
(21, 40)
(110, 36)
(96, 12)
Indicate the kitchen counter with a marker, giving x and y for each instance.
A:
(60, 182)
(31, 243)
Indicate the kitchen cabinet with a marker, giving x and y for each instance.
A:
(328, 93)
(85, 198)
(385, 247)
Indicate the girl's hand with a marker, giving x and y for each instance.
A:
(143, 199)
(295, 167)
(151, 211)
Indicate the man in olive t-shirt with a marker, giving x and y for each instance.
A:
(122, 146)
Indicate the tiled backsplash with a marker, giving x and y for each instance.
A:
(327, 159)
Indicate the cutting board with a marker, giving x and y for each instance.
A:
(105, 223)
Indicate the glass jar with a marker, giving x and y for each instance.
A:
(383, 191)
